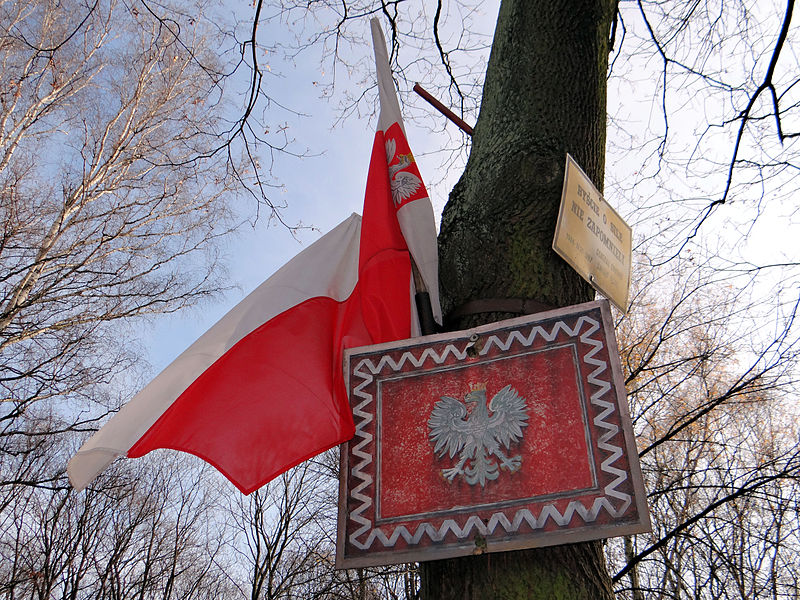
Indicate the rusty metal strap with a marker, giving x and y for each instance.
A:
(519, 306)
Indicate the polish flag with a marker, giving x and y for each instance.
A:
(263, 389)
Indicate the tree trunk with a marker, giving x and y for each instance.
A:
(544, 97)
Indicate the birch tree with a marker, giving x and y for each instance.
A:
(114, 190)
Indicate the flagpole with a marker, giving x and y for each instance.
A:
(427, 324)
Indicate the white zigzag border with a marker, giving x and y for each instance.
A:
(365, 369)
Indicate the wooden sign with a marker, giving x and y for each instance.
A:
(507, 436)
(593, 238)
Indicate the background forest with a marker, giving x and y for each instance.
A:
(137, 137)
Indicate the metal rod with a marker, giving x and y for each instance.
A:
(427, 324)
(443, 109)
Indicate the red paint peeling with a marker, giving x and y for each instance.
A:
(555, 455)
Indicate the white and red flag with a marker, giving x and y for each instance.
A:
(263, 389)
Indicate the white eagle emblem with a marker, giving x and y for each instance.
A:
(476, 435)
(403, 184)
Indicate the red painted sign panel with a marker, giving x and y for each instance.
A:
(507, 436)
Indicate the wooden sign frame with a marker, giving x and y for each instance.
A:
(571, 475)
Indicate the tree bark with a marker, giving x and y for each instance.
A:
(544, 96)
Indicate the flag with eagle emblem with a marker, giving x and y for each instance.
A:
(410, 203)
(263, 389)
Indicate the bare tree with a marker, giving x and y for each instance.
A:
(283, 543)
(718, 444)
(145, 533)
(112, 196)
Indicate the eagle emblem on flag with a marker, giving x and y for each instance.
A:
(403, 183)
(480, 434)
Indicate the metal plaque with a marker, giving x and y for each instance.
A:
(593, 238)
(507, 436)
